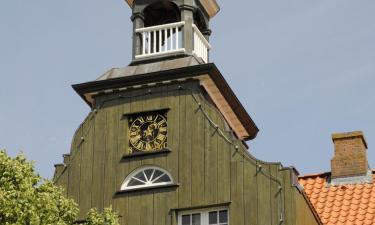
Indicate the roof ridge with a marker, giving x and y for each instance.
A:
(320, 174)
(317, 174)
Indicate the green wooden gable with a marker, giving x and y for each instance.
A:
(200, 171)
(210, 166)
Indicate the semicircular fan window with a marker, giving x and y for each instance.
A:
(147, 177)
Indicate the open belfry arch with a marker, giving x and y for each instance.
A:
(164, 143)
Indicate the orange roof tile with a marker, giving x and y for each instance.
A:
(349, 204)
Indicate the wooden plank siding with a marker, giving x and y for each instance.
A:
(86, 148)
(250, 194)
(210, 157)
(275, 194)
(208, 168)
(197, 153)
(184, 152)
(223, 166)
(74, 171)
(121, 203)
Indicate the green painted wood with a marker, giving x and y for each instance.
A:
(234, 207)
(62, 180)
(211, 158)
(67, 156)
(301, 216)
(136, 105)
(173, 219)
(65, 176)
(121, 203)
(240, 192)
(288, 196)
(173, 139)
(292, 202)
(147, 213)
(160, 209)
(147, 198)
(184, 149)
(275, 195)
(264, 191)
(304, 215)
(135, 209)
(74, 165)
(159, 201)
(159, 101)
(197, 153)
(250, 194)
(135, 199)
(164, 95)
(112, 120)
(207, 168)
(150, 102)
(223, 171)
(86, 166)
(59, 170)
(98, 159)
(237, 205)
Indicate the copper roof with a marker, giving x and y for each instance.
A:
(341, 204)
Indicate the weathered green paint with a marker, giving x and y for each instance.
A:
(207, 168)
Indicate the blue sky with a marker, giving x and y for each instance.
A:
(302, 69)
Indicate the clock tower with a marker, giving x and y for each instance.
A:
(165, 141)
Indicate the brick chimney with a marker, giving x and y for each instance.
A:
(350, 159)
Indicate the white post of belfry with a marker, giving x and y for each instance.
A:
(138, 22)
(187, 15)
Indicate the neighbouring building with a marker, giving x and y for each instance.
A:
(164, 143)
(346, 195)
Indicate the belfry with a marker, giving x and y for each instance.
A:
(165, 141)
(162, 28)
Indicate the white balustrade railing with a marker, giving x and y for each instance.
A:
(168, 38)
(162, 39)
(201, 45)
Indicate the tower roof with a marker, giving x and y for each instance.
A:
(173, 70)
(211, 6)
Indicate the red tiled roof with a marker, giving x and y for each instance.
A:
(342, 204)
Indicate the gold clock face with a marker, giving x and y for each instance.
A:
(148, 132)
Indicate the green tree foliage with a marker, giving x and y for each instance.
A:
(27, 199)
(108, 217)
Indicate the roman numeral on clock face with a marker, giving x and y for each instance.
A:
(160, 137)
(140, 144)
(162, 129)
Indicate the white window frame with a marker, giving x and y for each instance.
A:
(148, 183)
(204, 214)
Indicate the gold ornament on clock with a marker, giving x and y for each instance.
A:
(148, 132)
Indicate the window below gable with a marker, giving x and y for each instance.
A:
(204, 217)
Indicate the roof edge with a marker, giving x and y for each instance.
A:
(321, 174)
(184, 72)
(314, 175)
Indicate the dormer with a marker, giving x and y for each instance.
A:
(168, 28)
